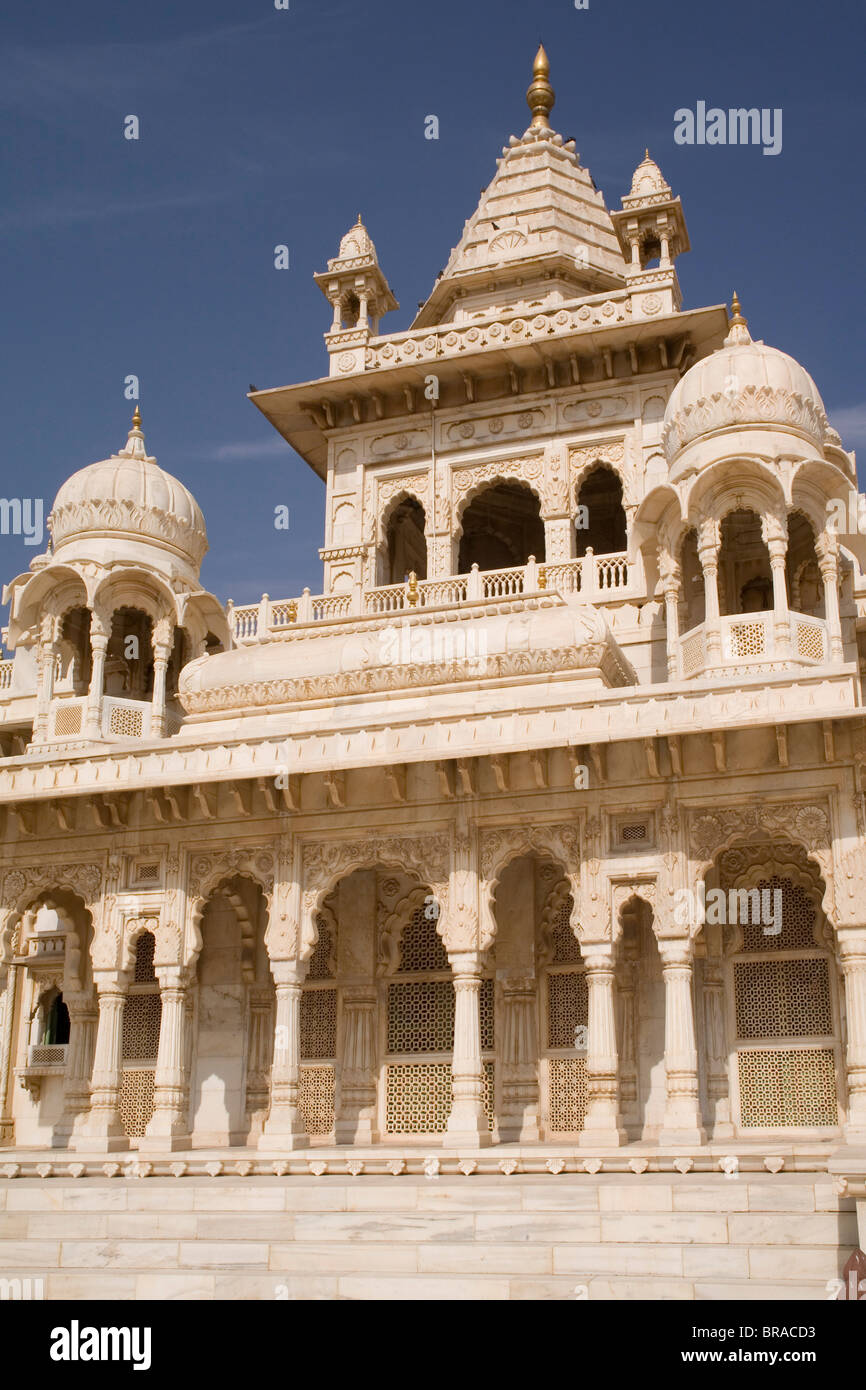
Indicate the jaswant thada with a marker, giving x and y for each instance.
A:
(387, 880)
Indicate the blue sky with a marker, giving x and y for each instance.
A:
(260, 126)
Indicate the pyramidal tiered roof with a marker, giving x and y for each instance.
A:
(540, 221)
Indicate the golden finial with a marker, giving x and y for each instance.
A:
(136, 419)
(646, 154)
(412, 592)
(542, 578)
(292, 611)
(540, 95)
(737, 316)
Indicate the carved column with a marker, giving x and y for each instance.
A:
(168, 1127)
(627, 1002)
(682, 1121)
(467, 1122)
(356, 1120)
(715, 1038)
(671, 580)
(852, 952)
(778, 548)
(284, 1128)
(161, 653)
(828, 563)
(601, 1127)
(46, 661)
(519, 1060)
(103, 1131)
(261, 1042)
(79, 1062)
(7, 1018)
(708, 554)
(99, 647)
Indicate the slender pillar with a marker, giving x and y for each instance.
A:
(671, 589)
(103, 1131)
(829, 566)
(168, 1127)
(99, 647)
(781, 623)
(715, 1040)
(161, 653)
(7, 1018)
(682, 1122)
(708, 554)
(467, 1122)
(520, 1104)
(47, 662)
(601, 1127)
(79, 1062)
(356, 1121)
(284, 1128)
(852, 951)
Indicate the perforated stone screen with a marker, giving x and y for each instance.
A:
(785, 1088)
(320, 960)
(747, 639)
(318, 1023)
(136, 1099)
(144, 953)
(317, 1088)
(566, 949)
(567, 1007)
(126, 722)
(421, 1016)
(566, 1094)
(141, 1018)
(418, 1097)
(67, 720)
(782, 999)
(421, 946)
(798, 918)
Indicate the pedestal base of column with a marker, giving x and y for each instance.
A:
(467, 1129)
(95, 1143)
(854, 1133)
(356, 1131)
(679, 1138)
(283, 1133)
(602, 1138)
(169, 1142)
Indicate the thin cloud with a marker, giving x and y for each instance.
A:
(850, 421)
(63, 208)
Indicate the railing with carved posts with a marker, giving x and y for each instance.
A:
(596, 577)
(6, 674)
(742, 639)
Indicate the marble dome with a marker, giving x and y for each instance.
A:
(744, 384)
(129, 495)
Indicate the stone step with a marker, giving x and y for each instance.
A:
(561, 1237)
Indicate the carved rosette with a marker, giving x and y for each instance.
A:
(499, 845)
(324, 863)
(469, 480)
(804, 824)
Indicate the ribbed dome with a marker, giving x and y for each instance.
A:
(130, 495)
(743, 384)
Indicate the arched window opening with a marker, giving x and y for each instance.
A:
(564, 1019)
(55, 1021)
(502, 527)
(317, 1081)
(406, 543)
(129, 656)
(692, 579)
(786, 1039)
(803, 576)
(142, 1015)
(600, 522)
(745, 576)
(76, 657)
(420, 1031)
